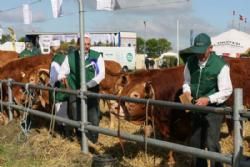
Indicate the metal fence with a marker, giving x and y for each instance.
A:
(236, 159)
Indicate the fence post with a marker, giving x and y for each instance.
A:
(84, 116)
(238, 106)
(10, 99)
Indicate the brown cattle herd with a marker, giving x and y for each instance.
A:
(158, 84)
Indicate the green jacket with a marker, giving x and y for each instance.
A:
(59, 96)
(28, 53)
(204, 81)
(74, 63)
(25, 53)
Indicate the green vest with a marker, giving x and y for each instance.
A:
(36, 51)
(74, 80)
(28, 53)
(204, 81)
(59, 96)
(25, 53)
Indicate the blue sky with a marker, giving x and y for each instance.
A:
(210, 16)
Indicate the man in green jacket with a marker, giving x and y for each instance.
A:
(29, 50)
(57, 81)
(94, 73)
(207, 82)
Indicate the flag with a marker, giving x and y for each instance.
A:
(241, 17)
(56, 8)
(27, 14)
(245, 20)
(233, 12)
(108, 5)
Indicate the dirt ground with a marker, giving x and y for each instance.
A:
(42, 150)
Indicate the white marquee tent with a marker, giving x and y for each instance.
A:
(231, 43)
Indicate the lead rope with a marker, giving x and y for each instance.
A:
(152, 96)
(1, 95)
(53, 113)
(118, 131)
(145, 138)
(153, 124)
(25, 122)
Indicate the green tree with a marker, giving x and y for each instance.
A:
(72, 42)
(22, 39)
(155, 47)
(5, 38)
(152, 47)
(163, 45)
(140, 45)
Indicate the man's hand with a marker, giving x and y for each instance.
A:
(202, 101)
(65, 82)
(91, 84)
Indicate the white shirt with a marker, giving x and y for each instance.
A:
(54, 73)
(223, 81)
(65, 69)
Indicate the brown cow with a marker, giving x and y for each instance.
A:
(124, 82)
(152, 84)
(35, 70)
(18, 70)
(240, 77)
(164, 86)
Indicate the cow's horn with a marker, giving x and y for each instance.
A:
(43, 70)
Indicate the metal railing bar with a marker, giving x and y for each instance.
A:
(174, 105)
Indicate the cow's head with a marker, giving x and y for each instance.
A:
(137, 89)
(38, 97)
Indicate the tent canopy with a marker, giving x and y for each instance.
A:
(231, 43)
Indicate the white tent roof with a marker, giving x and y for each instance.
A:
(169, 54)
(231, 43)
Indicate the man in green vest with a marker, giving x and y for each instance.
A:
(56, 80)
(207, 82)
(29, 50)
(94, 73)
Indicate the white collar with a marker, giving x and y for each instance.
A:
(86, 55)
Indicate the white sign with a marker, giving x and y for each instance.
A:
(125, 56)
(44, 42)
(8, 46)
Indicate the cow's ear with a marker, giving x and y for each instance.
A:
(22, 74)
(43, 76)
(124, 79)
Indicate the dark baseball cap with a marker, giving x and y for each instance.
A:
(201, 43)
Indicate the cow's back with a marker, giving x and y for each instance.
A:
(240, 77)
(7, 56)
(14, 68)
